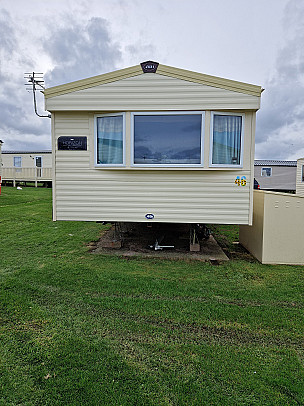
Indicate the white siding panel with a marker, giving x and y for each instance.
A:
(75, 161)
(151, 92)
(72, 124)
(183, 196)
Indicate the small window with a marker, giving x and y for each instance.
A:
(266, 171)
(110, 134)
(38, 164)
(38, 161)
(227, 138)
(302, 173)
(17, 161)
(167, 139)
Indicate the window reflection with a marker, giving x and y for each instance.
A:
(167, 139)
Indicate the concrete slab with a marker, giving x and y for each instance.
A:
(137, 239)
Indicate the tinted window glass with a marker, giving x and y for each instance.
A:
(167, 139)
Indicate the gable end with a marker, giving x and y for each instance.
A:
(150, 67)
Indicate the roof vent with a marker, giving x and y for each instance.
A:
(149, 66)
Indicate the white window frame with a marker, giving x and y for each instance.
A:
(163, 113)
(38, 156)
(266, 176)
(38, 168)
(123, 164)
(222, 113)
(17, 166)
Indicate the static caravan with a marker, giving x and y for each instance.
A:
(300, 177)
(274, 175)
(153, 143)
(27, 166)
(27, 159)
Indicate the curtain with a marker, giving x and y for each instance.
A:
(227, 131)
(110, 140)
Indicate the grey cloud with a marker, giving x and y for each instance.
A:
(76, 50)
(282, 114)
(294, 14)
(143, 51)
(26, 142)
(80, 50)
(17, 118)
(8, 39)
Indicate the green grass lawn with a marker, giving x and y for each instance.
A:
(78, 328)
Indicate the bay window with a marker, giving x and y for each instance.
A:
(168, 139)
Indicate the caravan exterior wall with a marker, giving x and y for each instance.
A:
(188, 195)
(84, 189)
(276, 175)
(26, 159)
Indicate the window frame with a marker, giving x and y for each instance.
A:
(38, 156)
(266, 176)
(223, 113)
(17, 166)
(123, 164)
(302, 173)
(164, 113)
(38, 168)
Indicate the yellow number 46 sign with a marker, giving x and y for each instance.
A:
(240, 181)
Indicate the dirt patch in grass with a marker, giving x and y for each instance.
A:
(227, 236)
(179, 332)
(145, 240)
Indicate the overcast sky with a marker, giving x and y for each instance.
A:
(259, 42)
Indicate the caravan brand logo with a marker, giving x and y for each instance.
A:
(149, 66)
(149, 216)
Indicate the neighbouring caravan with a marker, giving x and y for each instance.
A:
(153, 143)
(300, 177)
(275, 175)
(27, 166)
